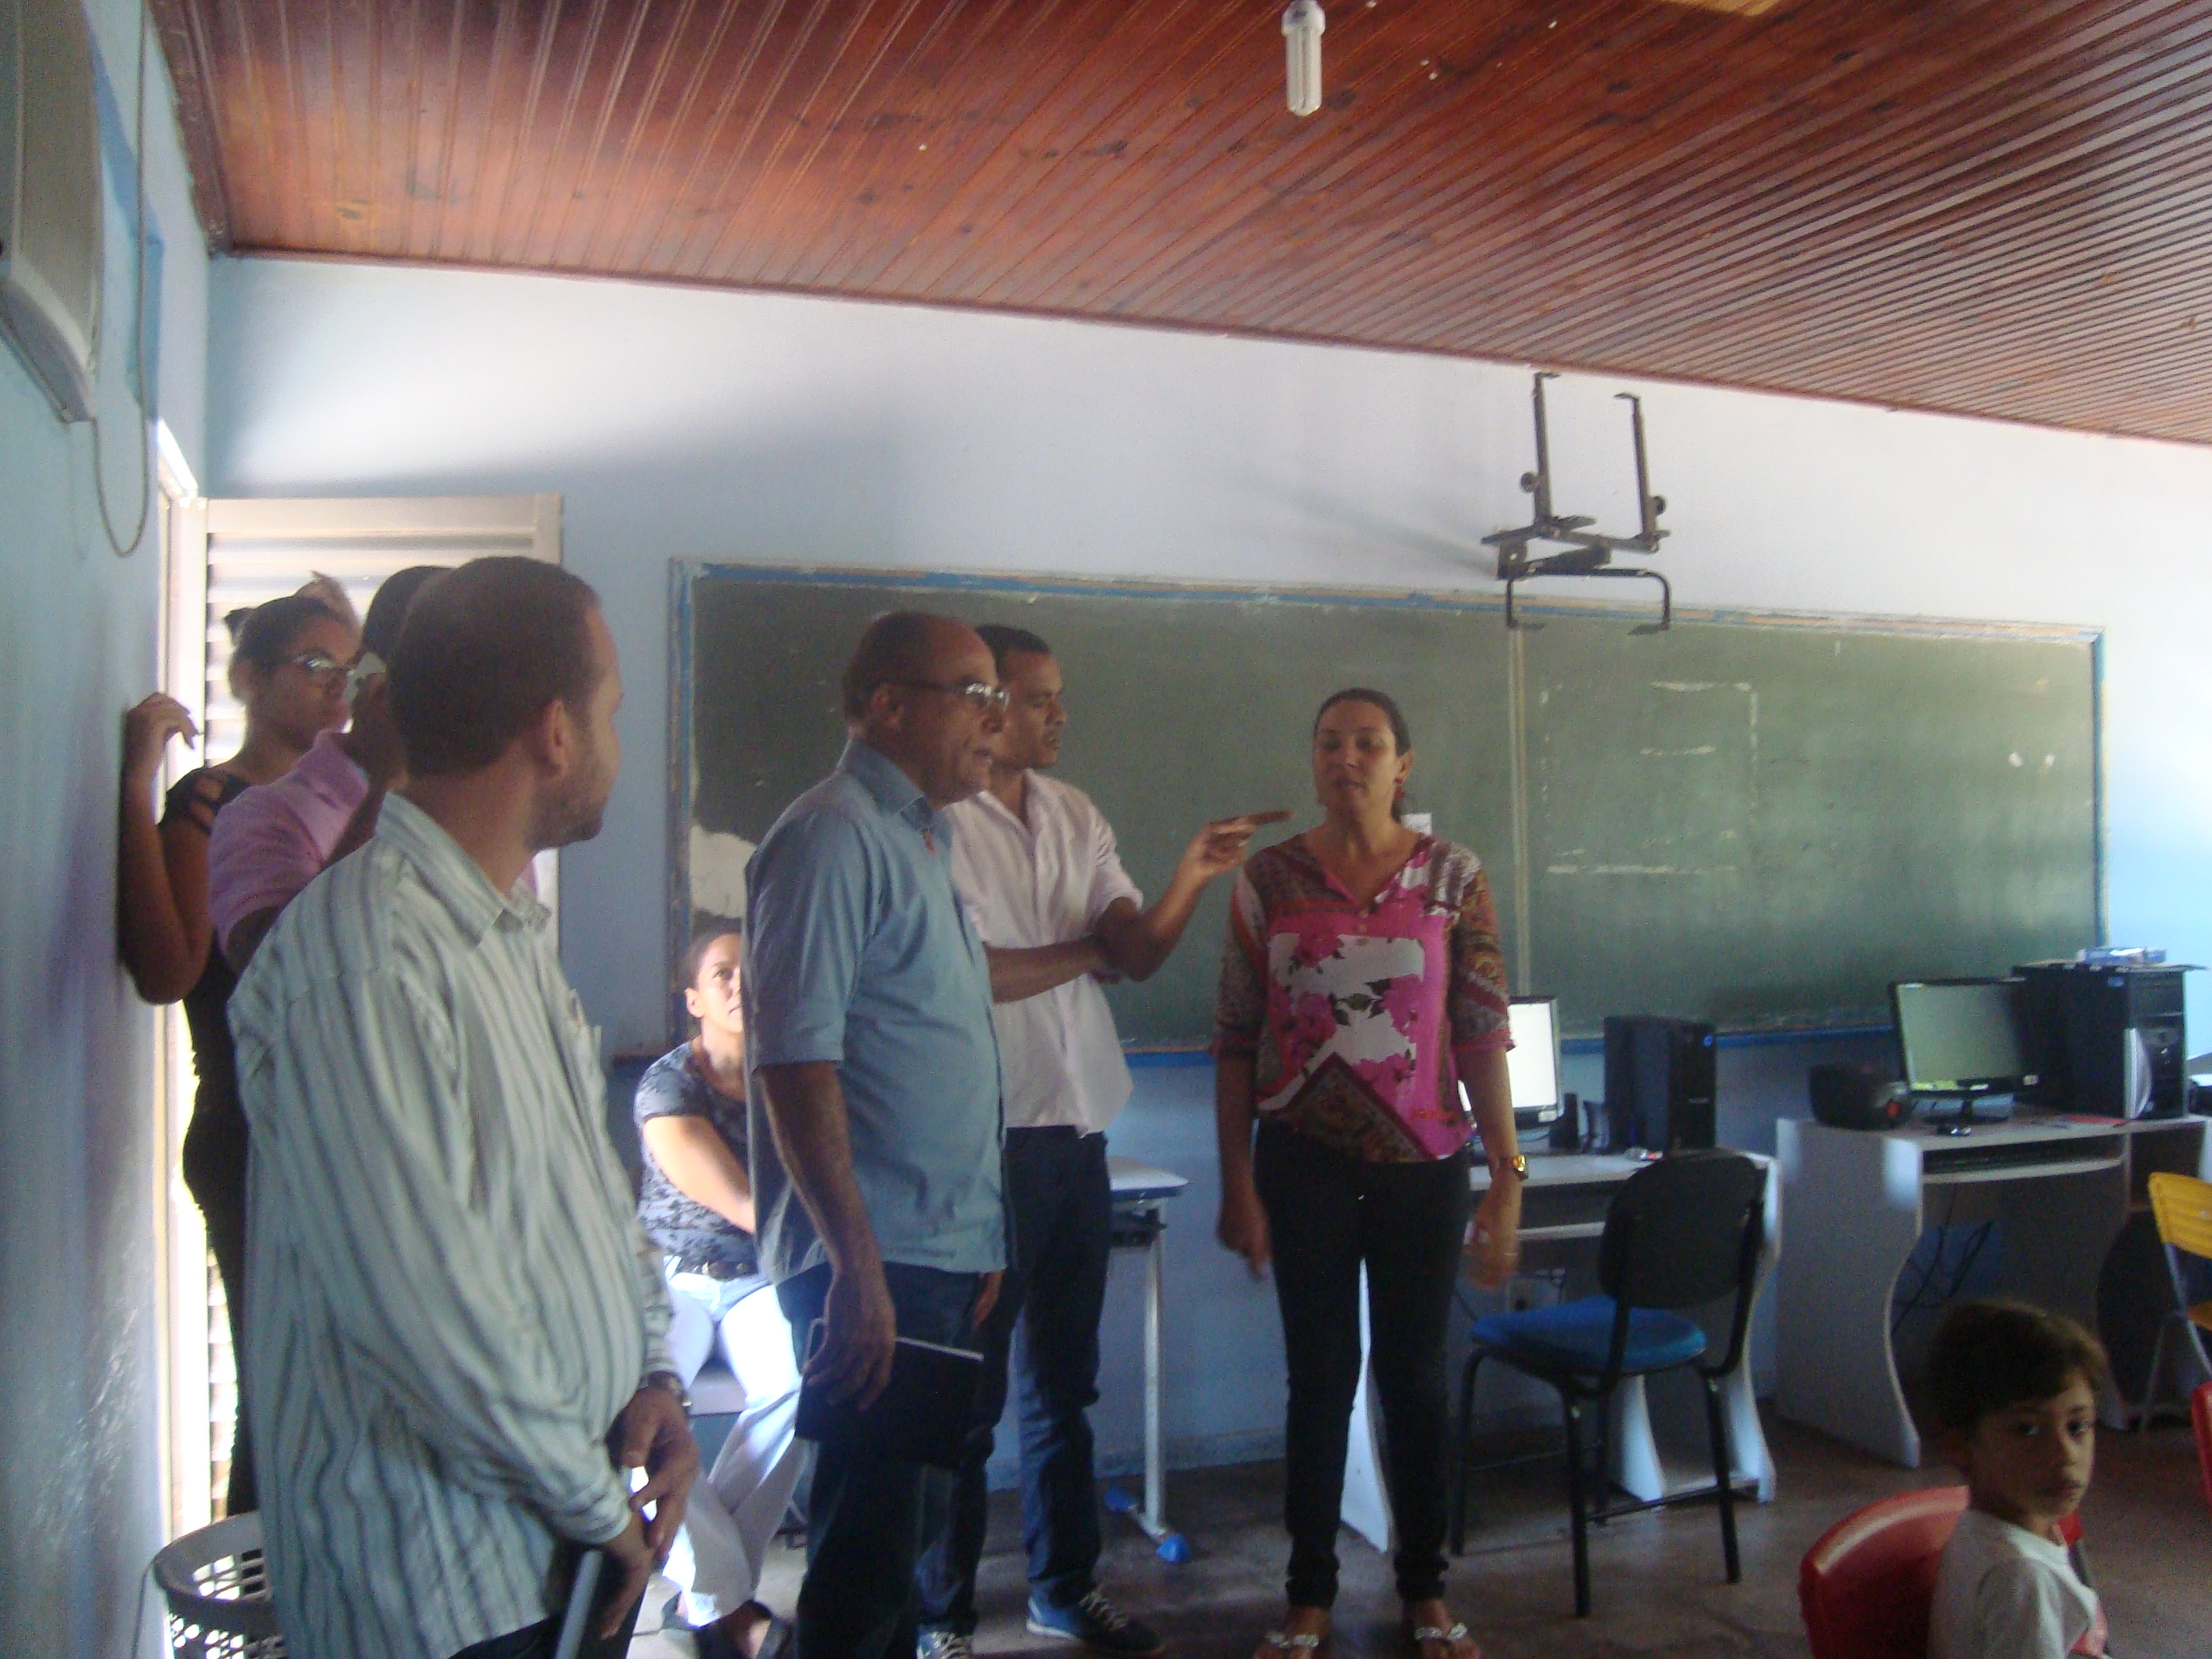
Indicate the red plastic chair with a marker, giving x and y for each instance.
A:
(2200, 1414)
(1867, 1587)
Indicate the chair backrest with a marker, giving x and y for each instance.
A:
(2183, 1206)
(2200, 1415)
(1683, 1231)
(1868, 1587)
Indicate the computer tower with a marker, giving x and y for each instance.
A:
(2109, 1041)
(1659, 1081)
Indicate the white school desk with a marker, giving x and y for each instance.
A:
(1858, 1202)
(1563, 1209)
(1140, 1196)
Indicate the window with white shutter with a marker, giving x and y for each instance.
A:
(221, 555)
(254, 550)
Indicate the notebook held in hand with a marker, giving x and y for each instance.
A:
(923, 1415)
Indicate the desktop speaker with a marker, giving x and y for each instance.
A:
(1659, 1082)
(1857, 1096)
(2107, 1040)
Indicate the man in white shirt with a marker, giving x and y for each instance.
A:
(1036, 864)
(454, 1317)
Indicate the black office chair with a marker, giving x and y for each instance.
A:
(1680, 1234)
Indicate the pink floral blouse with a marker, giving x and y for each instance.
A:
(1357, 1018)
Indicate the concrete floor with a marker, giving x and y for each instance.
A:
(1657, 1577)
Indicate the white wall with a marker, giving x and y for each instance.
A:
(693, 424)
(79, 1361)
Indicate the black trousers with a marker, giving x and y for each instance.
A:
(866, 1518)
(215, 1154)
(1061, 1202)
(1327, 1214)
(543, 1640)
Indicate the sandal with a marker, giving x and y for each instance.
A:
(1311, 1641)
(1421, 1635)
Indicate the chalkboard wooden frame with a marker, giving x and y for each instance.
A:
(1511, 876)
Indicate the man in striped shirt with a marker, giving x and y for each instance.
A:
(454, 1317)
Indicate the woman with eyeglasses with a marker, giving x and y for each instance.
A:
(278, 837)
(288, 667)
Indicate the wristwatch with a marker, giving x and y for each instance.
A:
(1518, 1163)
(674, 1384)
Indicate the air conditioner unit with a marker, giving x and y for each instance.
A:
(49, 201)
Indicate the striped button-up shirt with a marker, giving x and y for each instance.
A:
(449, 1298)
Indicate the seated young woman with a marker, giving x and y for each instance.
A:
(696, 1203)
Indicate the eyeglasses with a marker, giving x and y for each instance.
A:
(366, 666)
(986, 699)
(325, 670)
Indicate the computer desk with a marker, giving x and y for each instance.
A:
(1563, 1210)
(1859, 1201)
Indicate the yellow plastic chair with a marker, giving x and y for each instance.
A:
(2182, 1207)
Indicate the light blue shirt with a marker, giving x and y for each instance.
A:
(858, 952)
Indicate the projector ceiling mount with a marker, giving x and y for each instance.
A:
(1588, 553)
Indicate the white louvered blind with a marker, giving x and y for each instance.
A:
(253, 550)
(256, 549)
(223, 554)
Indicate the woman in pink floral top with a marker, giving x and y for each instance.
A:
(1361, 987)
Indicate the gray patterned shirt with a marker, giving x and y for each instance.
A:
(449, 1298)
(694, 1236)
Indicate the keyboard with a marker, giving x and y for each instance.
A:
(2020, 1154)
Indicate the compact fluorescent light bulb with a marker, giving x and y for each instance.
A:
(1301, 26)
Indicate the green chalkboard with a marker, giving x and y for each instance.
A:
(1763, 825)
(1757, 823)
(1180, 709)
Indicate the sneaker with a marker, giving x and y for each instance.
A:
(1095, 1622)
(944, 1644)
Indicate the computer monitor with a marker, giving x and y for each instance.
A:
(1958, 1037)
(1533, 1064)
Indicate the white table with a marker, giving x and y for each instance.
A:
(1563, 1206)
(1140, 1196)
(1861, 1201)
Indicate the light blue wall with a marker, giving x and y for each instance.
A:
(691, 424)
(78, 1181)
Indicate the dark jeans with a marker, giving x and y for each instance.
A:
(866, 1518)
(1061, 1202)
(1326, 1214)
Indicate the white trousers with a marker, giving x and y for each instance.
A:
(735, 1509)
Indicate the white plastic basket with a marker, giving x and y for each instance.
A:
(217, 1584)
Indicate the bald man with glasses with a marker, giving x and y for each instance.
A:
(875, 1121)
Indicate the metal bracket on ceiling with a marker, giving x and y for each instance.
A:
(1588, 553)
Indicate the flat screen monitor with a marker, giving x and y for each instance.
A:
(1533, 1064)
(1958, 1037)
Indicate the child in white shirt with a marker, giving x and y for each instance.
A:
(2015, 1398)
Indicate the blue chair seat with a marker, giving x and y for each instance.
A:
(1577, 1336)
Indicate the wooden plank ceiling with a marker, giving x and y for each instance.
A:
(1994, 209)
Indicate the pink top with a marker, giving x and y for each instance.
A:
(276, 838)
(1358, 1018)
